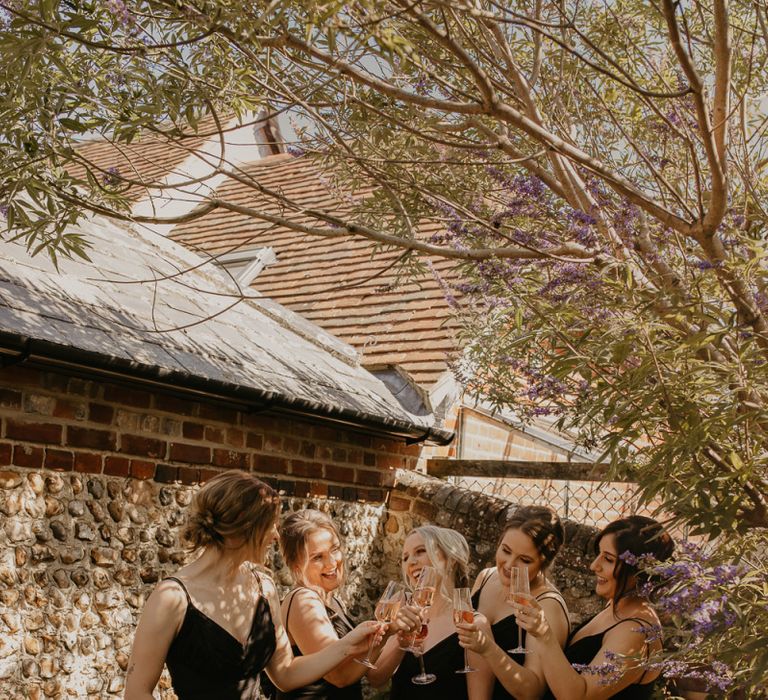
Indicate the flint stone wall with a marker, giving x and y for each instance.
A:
(80, 553)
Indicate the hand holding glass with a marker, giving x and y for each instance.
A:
(463, 612)
(423, 595)
(519, 593)
(386, 610)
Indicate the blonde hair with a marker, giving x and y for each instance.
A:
(233, 507)
(450, 546)
(294, 532)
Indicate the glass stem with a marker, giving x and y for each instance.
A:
(370, 648)
(519, 637)
(421, 665)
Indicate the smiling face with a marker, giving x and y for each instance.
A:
(604, 567)
(324, 565)
(415, 558)
(517, 549)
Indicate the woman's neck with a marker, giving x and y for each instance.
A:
(219, 566)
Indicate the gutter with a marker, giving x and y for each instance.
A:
(41, 354)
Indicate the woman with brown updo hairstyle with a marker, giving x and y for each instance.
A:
(531, 538)
(313, 615)
(216, 624)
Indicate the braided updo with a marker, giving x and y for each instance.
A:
(542, 525)
(233, 507)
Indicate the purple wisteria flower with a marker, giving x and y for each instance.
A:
(716, 675)
(111, 177)
(120, 12)
(447, 292)
(629, 558)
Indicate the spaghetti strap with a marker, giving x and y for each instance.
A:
(183, 588)
(485, 580)
(292, 594)
(554, 595)
(643, 623)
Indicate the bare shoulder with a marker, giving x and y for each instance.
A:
(307, 598)
(483, 577)
(641, 612)
(167, 604)
(169, 593)
(633, 628)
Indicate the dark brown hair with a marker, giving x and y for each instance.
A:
(542, 525)
(234, 506)
(639, 536)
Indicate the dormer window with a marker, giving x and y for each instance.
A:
(246, 265)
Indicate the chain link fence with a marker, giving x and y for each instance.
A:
(589, 502)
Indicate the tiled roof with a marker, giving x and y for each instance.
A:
(341, 284)
(148, 159)
(145, 307)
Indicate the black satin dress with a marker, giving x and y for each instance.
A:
(322, 689)
(505, 634)
(583, 650)
(205, 661)
(443, 659)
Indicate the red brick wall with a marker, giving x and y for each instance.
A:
(479, 436)
(62, 423)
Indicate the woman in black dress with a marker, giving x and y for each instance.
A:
(313, 616)
(616, 642)
(446, 551)
(216, 623)
(531, 538)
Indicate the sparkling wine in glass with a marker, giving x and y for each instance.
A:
(463, 612)
(424, 591)
(386, 611)
(520, 593)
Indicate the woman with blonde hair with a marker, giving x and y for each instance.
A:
(313, 615)
(447, 552)
(216, 623)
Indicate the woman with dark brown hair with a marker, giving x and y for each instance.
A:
(530, 540)
(612, 647)
(216, 624)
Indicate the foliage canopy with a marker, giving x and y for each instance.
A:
(597, 169)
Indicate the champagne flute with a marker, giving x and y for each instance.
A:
(406, 640)
(463, 612)
(417, 649)
(386, 611)
(423, 595)
(520, 593)
(424, 592)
